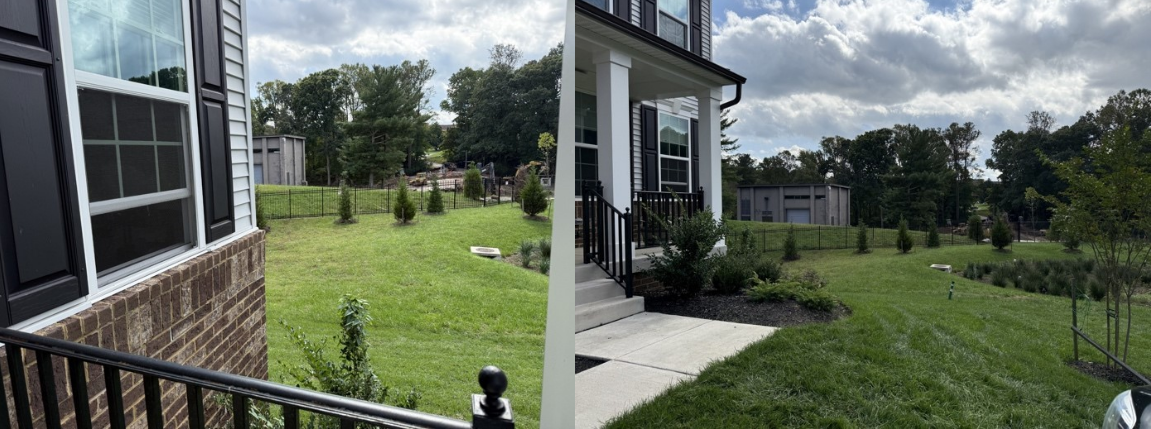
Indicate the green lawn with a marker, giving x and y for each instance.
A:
(909, 357)
(770, 235)
(281, 202)
(440, 313)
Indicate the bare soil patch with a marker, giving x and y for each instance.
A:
(1102, 371)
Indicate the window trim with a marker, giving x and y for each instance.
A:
(74, 80)
(579, 144)
(686, 24)
(659, 169)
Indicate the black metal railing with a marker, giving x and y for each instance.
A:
(655, 208)
(489, 410)
(307, 201)
(607, 236)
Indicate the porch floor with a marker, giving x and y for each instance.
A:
(646, 354)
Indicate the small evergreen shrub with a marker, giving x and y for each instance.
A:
(816, 300)
(769, 270)
(685, 265)
(903, 240)
(801, 293)
(1000, 233)
(790, 247)
(261, 217)
(473, 183)
(405, 208)
(1000, 278)
(527, 247)
(861, 239)
(932, 236)
(533, 199)
(345, 206)
(969, 271)
(545, 248)
(545, 266)
(436, 198)
(810, 279)
(975, 228)
(732, 274)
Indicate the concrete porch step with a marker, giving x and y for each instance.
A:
(597, 290)
(588, 272)
(598, 313)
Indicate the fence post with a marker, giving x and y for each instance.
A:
(1018, 230)
(356, 200)
(322, 190)
(421, 200)
(289, 203)
(818, 238)
(499, 193)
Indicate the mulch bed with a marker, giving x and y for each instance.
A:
(739, 309)
(1102, 371)
(584, 363)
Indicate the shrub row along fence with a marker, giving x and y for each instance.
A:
(318, 202)
(821, 237)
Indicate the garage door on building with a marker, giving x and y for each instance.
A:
(799, 215)
(259, 173)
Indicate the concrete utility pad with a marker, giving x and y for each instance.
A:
(487, 252)
(627, 335)
(693, 350)
(613, 388)
(941, 267)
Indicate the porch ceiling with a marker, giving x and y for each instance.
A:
(657, 72)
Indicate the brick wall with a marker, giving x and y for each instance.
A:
(207, 312)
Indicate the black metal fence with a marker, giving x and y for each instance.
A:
(652, 207)
(607, 236)
(824, 237)
(51, 359)
(318, 202)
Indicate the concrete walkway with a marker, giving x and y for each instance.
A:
(646, 354)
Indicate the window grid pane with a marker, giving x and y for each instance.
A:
(136, 40)
(586, 167)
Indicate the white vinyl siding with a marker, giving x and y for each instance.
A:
(238, 116)
(705, 30)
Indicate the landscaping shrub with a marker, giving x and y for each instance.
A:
(545, 247)
(1000, 233)
(932, 236)
(903, 241)
(685, 265)
(975, 228)
(800, 292)
(526, 249)
(345, 206)
(769, 270)
(810, 279)
(1000, 277)
(350, 374)
(861, 239)
(533, 199)
(772, 292)
(732, 273)
(969, 271)
(545, 266)
(436, 198)
(816, 300)
(405, 208)
(790, 247)
(1058, 232)
(473, 183)
(261, 217)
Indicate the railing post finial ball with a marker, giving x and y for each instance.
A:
(489, 411)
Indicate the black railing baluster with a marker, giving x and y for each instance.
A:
(347, 424)
(195, 397)
(19, 387)
(153, 402)
(115, 397)
(240, 405)
(48, 398)
(79, 381)
(291, 417)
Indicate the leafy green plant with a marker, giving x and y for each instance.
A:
(350, 374)
(685, 265)
(932, 236)
(533, 199)
(261, 216)
(473, 183)
(903, 240)
(405, 208)
(545, 266)
(527, 247)
(790, 247)
(809, 279)
(436, 198)
(1000, 233)
(975, 229)
(732, 273)
(545, 247)
(1000, 278)
(802, 293)
(861, 239)
(345, 205)
(769, 270)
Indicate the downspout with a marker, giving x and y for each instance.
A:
(734, 101)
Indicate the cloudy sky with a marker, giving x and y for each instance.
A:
(293, 38)
(844, 67)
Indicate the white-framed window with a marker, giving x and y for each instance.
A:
(674, 153)
(130, 61)
(671, 21)
(586, 139)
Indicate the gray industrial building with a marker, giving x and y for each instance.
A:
(278, 160)
(818, 204)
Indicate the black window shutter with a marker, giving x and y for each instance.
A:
(649, 140)
(41, 261)
(212, 105)
(647, 17)
(694, 155)
(696, 27)
(622, 9)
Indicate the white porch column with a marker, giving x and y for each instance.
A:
(709, 150)
(613, 120)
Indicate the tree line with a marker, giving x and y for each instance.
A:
(928, 176)
(368, 123)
